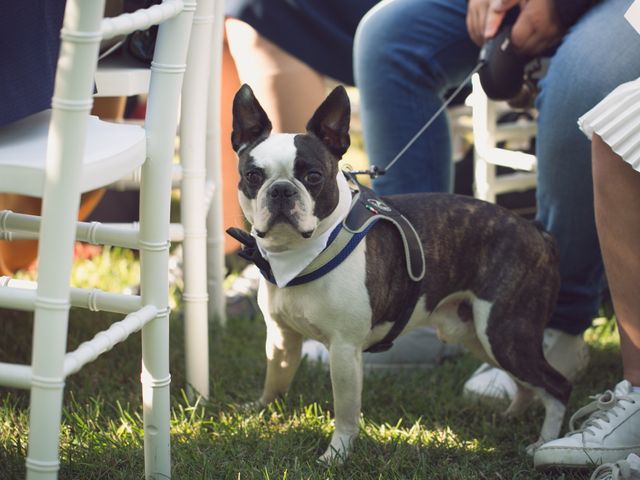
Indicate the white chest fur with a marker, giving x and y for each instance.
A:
(335, 304)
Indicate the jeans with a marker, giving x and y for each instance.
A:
(409, 53)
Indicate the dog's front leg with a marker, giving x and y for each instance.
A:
(283, 348)
(346, 381)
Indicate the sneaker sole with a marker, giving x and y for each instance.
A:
(579, 458)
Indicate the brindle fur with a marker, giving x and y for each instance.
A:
(465, 242)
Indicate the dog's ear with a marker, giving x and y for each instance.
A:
(330, 122)
(250, 121)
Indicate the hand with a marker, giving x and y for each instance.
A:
(537, 27)
(496, 12)
(476, 19)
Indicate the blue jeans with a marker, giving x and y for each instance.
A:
(409, 53)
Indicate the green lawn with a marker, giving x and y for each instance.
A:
(415, 424)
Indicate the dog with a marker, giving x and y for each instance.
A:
(484, 277)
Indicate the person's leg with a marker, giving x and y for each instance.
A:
(581, 73)
(608, 430)
(617, 209)
(407, 55)
(288, 89)
(232, 215)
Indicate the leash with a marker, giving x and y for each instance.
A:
(375, 171)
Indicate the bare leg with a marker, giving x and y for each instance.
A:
(288, 89)
(617, 209)
(232, 215)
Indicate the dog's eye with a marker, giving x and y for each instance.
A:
(313, 178)
(253, 177)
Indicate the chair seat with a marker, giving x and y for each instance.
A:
(111, 152)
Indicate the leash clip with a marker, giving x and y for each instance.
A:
(373, 171)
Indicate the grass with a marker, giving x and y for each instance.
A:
(415, 425)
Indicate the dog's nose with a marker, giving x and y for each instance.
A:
(282, 190)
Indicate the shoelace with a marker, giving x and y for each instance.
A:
(613, 471)
(598, 411)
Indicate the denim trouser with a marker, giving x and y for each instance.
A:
(408, 53)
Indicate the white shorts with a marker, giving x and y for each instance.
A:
(616, 119)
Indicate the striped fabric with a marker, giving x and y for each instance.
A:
(616, 119)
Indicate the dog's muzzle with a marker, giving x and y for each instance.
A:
(281, 201)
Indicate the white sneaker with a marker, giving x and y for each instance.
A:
(568, 354)
(628, 469)
(489, 383)
(420, 348)
(315, 351)
(610, 432)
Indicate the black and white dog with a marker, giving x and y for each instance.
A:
(491, 277)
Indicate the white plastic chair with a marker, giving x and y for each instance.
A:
(487, 134)
(198, 177)
(59, 154)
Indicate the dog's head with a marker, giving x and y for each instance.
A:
(288, 182)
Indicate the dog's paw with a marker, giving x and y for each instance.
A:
(332, 457)
(338, 450)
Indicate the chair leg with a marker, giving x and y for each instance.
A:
(156, 381)
(155, 377)
(196, 322)
(154, 289)
(44, 429)
(47, 386)
(195, 299)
